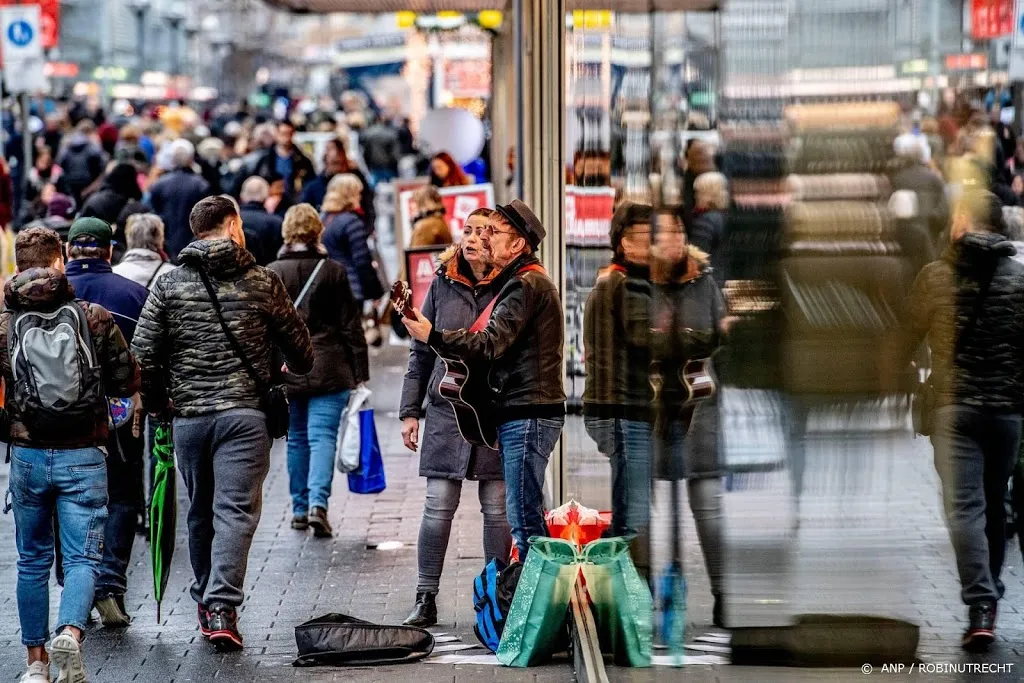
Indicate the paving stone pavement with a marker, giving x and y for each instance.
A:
(293, 577)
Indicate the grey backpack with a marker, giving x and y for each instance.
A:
(58, 382)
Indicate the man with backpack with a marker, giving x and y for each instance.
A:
(206, 340)
(64, 358)
(89, 272)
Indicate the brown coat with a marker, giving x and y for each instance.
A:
(430, 230)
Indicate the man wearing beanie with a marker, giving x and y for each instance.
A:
(522, 341)
(89, 272)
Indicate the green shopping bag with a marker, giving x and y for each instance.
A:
(535, 626)
(621, 600)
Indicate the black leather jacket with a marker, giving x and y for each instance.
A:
(523, 341)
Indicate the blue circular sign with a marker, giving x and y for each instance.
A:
(20, 33)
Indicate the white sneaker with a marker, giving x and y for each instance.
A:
(66, 653)
(38, 672)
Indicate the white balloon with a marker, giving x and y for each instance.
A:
(455, 131)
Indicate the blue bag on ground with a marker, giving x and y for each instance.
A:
(369, 478)
(493, 591)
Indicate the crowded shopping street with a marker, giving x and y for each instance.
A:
(512, 340)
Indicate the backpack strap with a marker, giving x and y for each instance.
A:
(309, 282)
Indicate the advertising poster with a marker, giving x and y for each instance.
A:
(588, 215)
(459, 202)
(420, 264)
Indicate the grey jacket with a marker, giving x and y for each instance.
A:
(453, 302)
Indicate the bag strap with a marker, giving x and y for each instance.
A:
(261, 384)
(481, 322)
(309, 282)
(155, 273)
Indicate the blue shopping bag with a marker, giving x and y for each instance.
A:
(369, 478)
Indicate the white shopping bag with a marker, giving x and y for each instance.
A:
(346, 458)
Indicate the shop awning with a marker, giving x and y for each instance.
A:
(325, 6)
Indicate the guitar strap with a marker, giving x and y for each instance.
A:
(485, 315)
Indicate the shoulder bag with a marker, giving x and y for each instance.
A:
(922, 411)
(273, 397)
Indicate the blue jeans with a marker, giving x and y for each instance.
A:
(525, 447)
(312, 442)
(627, 443)
(72, 483)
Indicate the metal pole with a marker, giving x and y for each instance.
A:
(175, 57)
(934, 57)
(26, 143)
(140, 39)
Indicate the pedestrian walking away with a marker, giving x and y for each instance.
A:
(319, 287)
(89, 272)
(966, 305)
(460, 292)
(523, 342)
(59, 437)
(221, 438)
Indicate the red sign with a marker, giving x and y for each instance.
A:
(468, 77)
(49, 20)
(588, 215)
(60, 70)
(977, 61)
(420, 266)
(991, 18)
(459, 202)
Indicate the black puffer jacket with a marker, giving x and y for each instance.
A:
(181, 346)
(987, 369)
(523, 340)
(333, 318)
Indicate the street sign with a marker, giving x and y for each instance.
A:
(22, 49)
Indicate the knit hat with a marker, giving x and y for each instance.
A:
(61, 205)
(91, 227)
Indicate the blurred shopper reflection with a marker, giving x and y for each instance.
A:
(618, 394)
(707, 231)
(688, 311)
(699, 159)
(967, 304)
(932, 209)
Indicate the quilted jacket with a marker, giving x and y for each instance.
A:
(182, 348)
(986, 370)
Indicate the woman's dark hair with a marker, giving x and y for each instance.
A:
(123, 179)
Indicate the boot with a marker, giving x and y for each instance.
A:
(424, 613)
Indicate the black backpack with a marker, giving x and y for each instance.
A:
(58, 381)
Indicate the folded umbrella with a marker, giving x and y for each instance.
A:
(163, 513)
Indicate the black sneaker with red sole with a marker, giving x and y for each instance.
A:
(981, 630)
(204, 621)
(223, 622)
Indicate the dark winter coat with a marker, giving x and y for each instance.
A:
(119, 187)
(687, 311)
(182, 348)
(262, 232)
(95, 281)
(453, 302)
(617, 344)
(331, 314)
(45, 289)
(173, 196)
(316, 189)
(523, 342)
(707, 233)
(82, 163)
(302, 170)
(346, 242)
(987, 370)
(932, 207)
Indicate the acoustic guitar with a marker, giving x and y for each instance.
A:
(464, 386)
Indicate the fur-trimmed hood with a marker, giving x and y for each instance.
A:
(449, 268)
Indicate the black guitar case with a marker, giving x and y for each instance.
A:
(341, 640)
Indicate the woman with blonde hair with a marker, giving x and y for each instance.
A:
(429, 226)
(320, 289)
(345, 235)
(707, 229)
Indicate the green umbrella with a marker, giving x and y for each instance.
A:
(163, 513)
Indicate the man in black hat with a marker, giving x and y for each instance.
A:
(523, 341)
